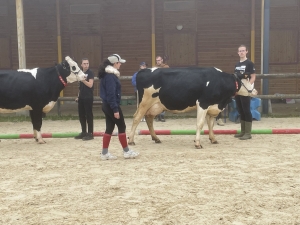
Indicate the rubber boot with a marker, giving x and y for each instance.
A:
(242, 130)
(220, 122)
(248, 128)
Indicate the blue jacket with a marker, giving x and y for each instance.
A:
(133, 80)
(110, 91)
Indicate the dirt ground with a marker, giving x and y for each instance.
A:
(234, 182)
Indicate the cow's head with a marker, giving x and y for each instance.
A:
(76, 73)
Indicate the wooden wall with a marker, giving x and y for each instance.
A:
(211, 33)
(5, 42)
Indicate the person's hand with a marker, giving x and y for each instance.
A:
(76, 99)
(117, 115)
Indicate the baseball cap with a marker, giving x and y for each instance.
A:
(143, 64)
(114, 58)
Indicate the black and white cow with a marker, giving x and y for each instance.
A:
(178, 90)
(36, 90)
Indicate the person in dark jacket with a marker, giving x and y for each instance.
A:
(85, 103)
(110, 93)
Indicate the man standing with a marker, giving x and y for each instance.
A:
(160, 64)
(85, 103)
(245, 69)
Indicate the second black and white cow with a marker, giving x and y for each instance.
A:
(178, 90)
(36, 90)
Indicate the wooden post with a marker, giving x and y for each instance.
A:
(59, 51)
(153, 32)
(21, 42)
(253, 31)
(59, 54)
(21, 34)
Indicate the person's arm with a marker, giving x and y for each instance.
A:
(76, 99)
(90, 82)
(252, 79)
(133, 80)
(252, 73)
(111, 93)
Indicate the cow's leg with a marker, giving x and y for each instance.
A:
(149, 120)
(210, 122)
(32, 118)
(201, 113)
(36, 120)
(140, 112)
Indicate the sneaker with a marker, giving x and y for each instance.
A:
(80, 136)
(130, 154)
(220, 122)
(108, 156)
(143, 120)
(88, 136)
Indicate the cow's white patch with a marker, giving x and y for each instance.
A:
(213, 110)
(218, 69)
(27, 107)
(32, 71)
(48, 107)
(207, 83)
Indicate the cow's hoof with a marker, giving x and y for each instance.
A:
(157, 141)
(131, 143)
(213, 142)
(198, 146)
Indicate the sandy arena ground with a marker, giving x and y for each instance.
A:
(235, 182)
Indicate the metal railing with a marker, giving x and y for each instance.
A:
(97, 99)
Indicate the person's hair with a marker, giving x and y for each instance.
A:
(101, 70)
(243, 46)
(159, 57)
(84, 59)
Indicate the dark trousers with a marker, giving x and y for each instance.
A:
(243, 107)
(111, 121)
(219, 116)
(85, 111)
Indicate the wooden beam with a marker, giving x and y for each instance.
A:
(153, 32)
(21, 34)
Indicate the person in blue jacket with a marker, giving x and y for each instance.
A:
(143, 65)
(110, 93)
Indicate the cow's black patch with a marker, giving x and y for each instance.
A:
(154, 95)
